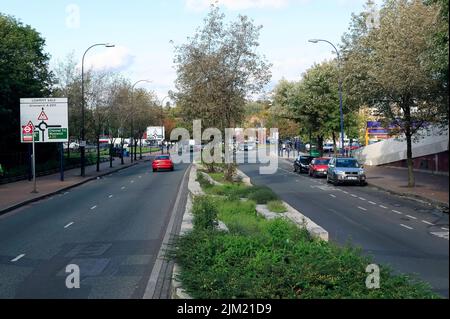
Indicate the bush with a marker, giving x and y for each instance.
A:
(205, 213)
(204, 183)
(262, 195)
(276, 206)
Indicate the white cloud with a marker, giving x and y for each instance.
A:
(117, 59)
(200, 5)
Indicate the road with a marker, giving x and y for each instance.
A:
(112, 228)
(409, 236)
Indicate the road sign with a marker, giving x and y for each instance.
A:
(156, 133)
(50, 119)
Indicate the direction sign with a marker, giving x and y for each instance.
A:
(50, 119)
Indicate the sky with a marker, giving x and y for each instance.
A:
(142, 31)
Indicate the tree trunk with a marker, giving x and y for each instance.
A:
(98, 153)
(411, 179)
(320, 144)
(140, 148)
(135, 149)
(408, 134)
(111, 154)
(334, 143)
(121, 153)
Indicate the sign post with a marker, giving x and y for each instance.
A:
(44, 120)
(34, 160)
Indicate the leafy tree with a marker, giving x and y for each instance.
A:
(385, 68)
(23, 73)
(217, 69)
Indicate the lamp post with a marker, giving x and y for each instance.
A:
(132, 122)
(161, 120)
(340, 89)
(83, 142)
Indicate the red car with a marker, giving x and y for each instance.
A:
(162, 162)
(318, 166)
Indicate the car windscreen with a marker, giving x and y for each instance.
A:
(322, 161)
(162, 157)
(347, 162)
(305, 160)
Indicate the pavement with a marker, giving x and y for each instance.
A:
(112, 228)
(410, 236)
(13, 195)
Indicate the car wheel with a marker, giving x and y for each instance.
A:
(328, 179)
(295, 169)
(172, 168)
(154, 170)
(314, 174)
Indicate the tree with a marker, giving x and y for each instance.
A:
(385, 68)
(217, 69)
(23, 73)
(314, 103)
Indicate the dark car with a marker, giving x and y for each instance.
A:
(301, 163)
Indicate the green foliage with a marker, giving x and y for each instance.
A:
(274, 259)
(262, 195)
(276, 206)
(205, 213)
(24, 72)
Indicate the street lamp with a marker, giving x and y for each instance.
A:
(161, 119)
(340, 89)
(83, 142)
(132, 110)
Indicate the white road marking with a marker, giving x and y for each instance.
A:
(427, 222)
(345, 192)
(406, 226)
(412, 217)
(397, 212)
(362, 198)
(110, 196)
(353, 195)
(441, 234)
(69, 224)
(94, 207)
(123, 187)
(132, 182)
(373, 203)
(444, 228)
(65, 193)
(383, 206)
(17, 258)
(140, 176)
(334, 196)
(362, 208)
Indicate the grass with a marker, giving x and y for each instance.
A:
(276, 206)
(267, 259)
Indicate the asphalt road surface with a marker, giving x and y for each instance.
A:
(112, 228)
(409, 236)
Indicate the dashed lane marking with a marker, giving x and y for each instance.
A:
(397, 212)
(17, 258)
(69, 224)
(110, 196)
(427, 222)
(122, 188)
(93, 207)
(406, 226)
(373, 203)
(334, 196)
(362, 208)
(412, 217)
(383, 206)
(362, 198)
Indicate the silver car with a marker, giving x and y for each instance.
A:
(345, 170)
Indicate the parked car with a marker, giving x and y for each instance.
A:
(319, 166)
(301, 164)
(247, 146)
(162, 162)
(343, 170)
(328, 147)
